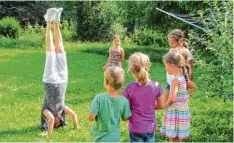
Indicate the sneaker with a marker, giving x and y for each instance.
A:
(58, 14)
(50, 16)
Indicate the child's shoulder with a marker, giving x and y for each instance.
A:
(101, 95)
(130, 85)
(121, 49)
(123, 100)
(155, 84)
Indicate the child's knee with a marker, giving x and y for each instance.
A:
(51, 120)
(74, 115)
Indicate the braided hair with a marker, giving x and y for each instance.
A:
(177, 59)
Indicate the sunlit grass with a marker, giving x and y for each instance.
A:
(21, 98)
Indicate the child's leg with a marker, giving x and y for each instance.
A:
(49, 75)
(149, 137)
(49, 38)
(50, 117)
(172, 140)
(60, 53)
(179, 140)
(72, 114)
(58, 39)
(136, 137)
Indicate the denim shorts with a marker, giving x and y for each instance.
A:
(142, 137)
(168, 87)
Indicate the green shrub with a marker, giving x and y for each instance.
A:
(155, 53)
(32, 29)
(67, 31)
(117, 28)
(144, 36)
(10, 27)
(26, 42)
(215, 58)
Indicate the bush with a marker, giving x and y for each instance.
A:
(31, 37)
(216, 57)
(145, 36)
(155, 53)
(67, 31)
(10, 27)
(117, 28)
(32, 29)
(26, 42)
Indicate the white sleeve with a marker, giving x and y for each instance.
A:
(169, 78)
(190, 56)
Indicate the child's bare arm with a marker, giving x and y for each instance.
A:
(173, 92)
(50, 118)
(122, 54)
(165, 95)
(105, 67)
(160, 103)
(91, 116)
(72, 114)
(191, 86)
(109, 56)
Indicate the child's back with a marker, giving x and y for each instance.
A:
(142, 95)
(142, 103)
(109, 111)
(108, 108)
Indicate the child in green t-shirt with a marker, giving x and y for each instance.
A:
(107, 108)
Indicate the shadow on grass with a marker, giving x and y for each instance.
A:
(79, 101)
(29, 130)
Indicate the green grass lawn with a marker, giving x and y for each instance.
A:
(21, 98)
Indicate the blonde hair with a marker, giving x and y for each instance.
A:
(115, 77)
(140, 64)
(178, 60)
(115, 37)
(176, 34)
(184, 53)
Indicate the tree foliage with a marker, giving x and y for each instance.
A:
(214, 49)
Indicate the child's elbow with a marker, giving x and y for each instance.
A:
(173, 100)
(163, 106)
(195, 88)
(91, 118)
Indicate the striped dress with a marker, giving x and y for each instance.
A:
(115, 58)
(176, 120)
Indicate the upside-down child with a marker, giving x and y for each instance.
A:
(55, 77)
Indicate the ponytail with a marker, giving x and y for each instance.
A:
(142, 76)
(140, 64)
(185, 72)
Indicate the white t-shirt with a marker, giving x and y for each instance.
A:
(170, 76)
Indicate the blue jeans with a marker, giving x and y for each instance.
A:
(142, 137)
